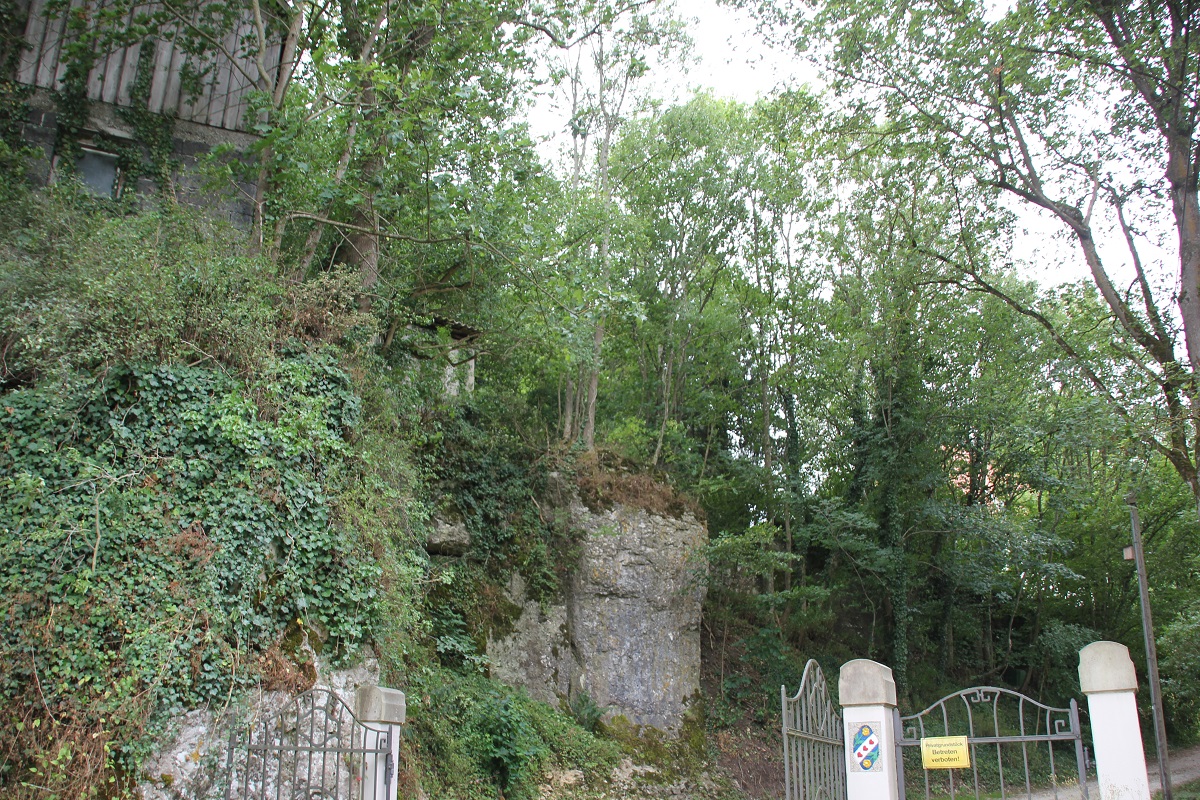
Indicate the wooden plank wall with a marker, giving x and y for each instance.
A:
(222, 101)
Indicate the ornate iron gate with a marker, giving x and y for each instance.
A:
(1010, 722)
(814, 751)
(314, 748)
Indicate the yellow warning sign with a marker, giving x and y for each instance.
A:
(945, 752)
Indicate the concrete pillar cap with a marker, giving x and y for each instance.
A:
(1106, 667)
(863, 682)
(377, 704)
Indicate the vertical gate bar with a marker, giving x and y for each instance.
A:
(1080, 760)
(337, 758)
(1024, 744)
(312, 735)
(811, 765)
(999, 748)
(333, 745)
(783, 715)
(796, 750)
(974, 758)
(975, 772)
(795, 744)
(1050, 747)
(356, 761)
(802, 720)
(806, 765)
(925, 772)
(787, 761)
(262, 783)
(324, 764)
(1053, 771)
(295, 759)
(279, 754)
(387, 764)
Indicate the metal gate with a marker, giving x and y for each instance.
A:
(312, 749)
(1018, 746)
(814, 751)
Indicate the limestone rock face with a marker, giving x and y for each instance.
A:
(537, 654)
(628, 631)
(634, 614)
(448, 538)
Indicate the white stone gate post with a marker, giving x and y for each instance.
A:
(378, 707)
(867, 693)
(1107, 677)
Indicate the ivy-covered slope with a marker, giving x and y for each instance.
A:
(206, 480)
(156, 526)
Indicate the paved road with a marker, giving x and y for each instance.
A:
(1185, 768)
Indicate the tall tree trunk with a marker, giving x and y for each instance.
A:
(593, 387)
(568, 422)
(666, 413)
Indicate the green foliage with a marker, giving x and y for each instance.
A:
(491, 480)
(1180, 648)
(159, 527)
(152, 133)
(471, 734)
(585, 711)
(80, 289)
(13, 97)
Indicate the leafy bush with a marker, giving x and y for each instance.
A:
(472, 734)
(1180, 648)
(159, 528)
(84, 289)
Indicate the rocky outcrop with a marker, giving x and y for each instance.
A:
(537, 653)
(634, 613)
(628, 630)
(448, 538)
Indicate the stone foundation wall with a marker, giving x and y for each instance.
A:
(190, 143)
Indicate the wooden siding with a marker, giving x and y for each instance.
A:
(221, 102)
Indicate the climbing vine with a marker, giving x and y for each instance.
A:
(152, 132)
(160, 530)
(13, 97)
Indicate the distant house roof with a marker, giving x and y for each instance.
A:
(226, 73)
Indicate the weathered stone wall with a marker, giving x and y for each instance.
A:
(628, 631)
(190, 761)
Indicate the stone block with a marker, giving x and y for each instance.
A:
(448, 538)
(1106, 667)
(380, 705)
(863, 682)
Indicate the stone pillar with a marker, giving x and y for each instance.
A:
(1107, 677)
(381, 711)
(868, 696)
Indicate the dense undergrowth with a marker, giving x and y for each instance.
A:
(205, 474)
(213, 472)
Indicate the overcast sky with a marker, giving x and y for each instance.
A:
(731, 60)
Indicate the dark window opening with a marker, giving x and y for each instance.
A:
(99, 173)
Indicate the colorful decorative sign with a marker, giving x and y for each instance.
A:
(945, 752)
(866, 747)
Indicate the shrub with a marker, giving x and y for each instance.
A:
(159, 528)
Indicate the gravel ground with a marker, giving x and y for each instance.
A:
(1185, 768)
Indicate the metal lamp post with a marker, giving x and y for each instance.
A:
(1160, 726)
